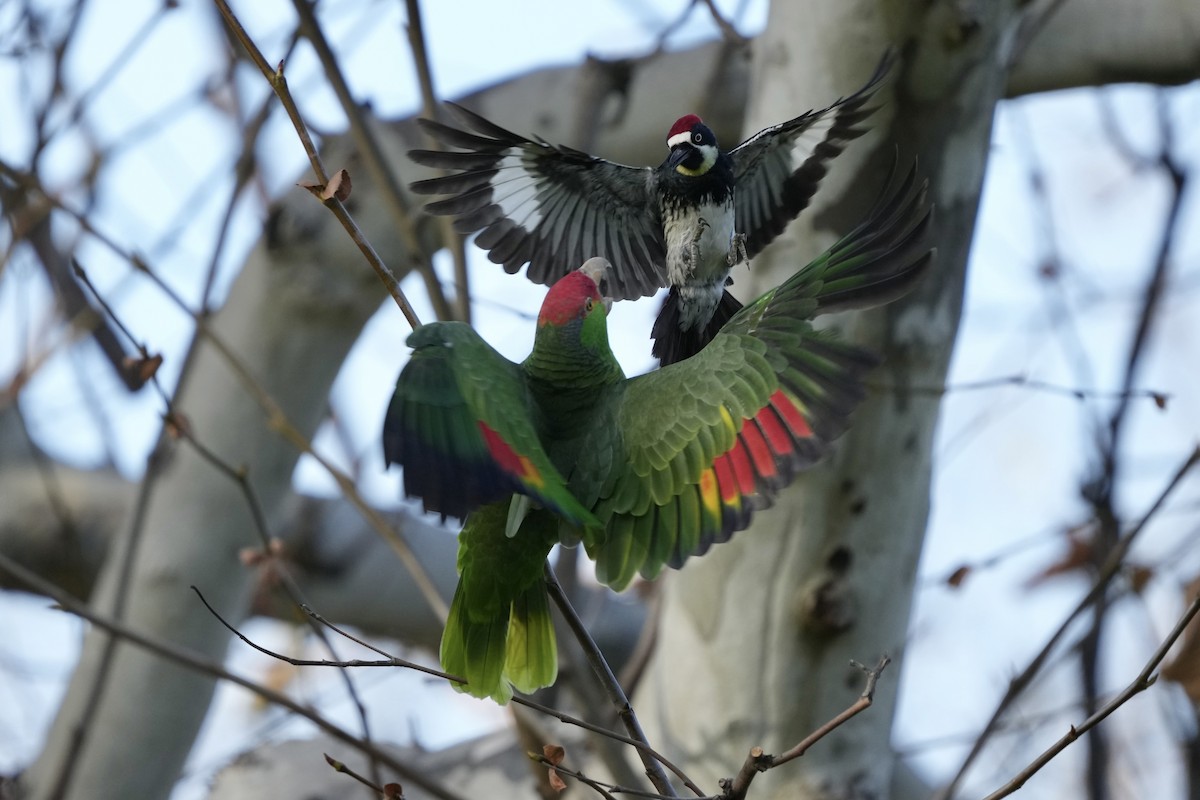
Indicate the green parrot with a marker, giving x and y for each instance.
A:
(644, 471)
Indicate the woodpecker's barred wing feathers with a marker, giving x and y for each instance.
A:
(778, 170)
(734, 424)
(459, 424)
(546, 205)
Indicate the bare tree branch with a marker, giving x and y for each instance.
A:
(1144, 680)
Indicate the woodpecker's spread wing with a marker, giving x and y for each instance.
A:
(546, 205)
(459, 424)
(777, 170)
(706, 442)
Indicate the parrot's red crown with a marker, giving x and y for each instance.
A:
(683, 124)
(566, 299)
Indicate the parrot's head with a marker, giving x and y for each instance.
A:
(574, 311)
(576, 296)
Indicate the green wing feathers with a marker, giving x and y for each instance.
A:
(730, 427)
(877, 262)
(461, 426)
(499, 633)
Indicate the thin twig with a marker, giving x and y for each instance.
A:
(863, 702)
(372, 153)
(1144, 680)
(1024, 381)
(757, 761)
(390, 792)
(276, 418)
(605, 789)
(1158, 277)
(608, 734)
(278, 82)
(390, 660)
(728, 32)
(453, 241)
(616, 694)
(187, 658)
(240, 477)
(1108, 570)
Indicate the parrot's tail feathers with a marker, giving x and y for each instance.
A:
(475, 650)
(531, 657)
(674, 343)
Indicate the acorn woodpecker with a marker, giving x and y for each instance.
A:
(684, 224)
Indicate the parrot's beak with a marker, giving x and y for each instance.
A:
(596, 268)
(607, 305)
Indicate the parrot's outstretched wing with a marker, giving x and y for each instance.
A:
(708, 441)
(459, 424)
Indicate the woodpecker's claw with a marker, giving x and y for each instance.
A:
(694, 246)
(737, 250)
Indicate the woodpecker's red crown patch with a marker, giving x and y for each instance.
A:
(684, 124)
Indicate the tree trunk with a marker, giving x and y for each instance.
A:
(766, 626)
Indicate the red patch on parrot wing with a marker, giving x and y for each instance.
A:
(509, 460)
(768, 449)
(752, 438)
(786, 407)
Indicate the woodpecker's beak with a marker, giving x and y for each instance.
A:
(679, 154)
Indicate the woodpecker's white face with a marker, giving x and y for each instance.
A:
(693, 146)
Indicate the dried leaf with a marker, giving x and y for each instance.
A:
(148, 367)
(338, 186)
(178, 425)
(250, 556)
(1079, 555)
(142, 369)
(554, 753)
(959, 575)
(393, 791)
(1184, 668)
(556, 781)
(1139, 576)
(1160, 400)
(315, 189)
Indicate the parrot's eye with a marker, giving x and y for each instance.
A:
(587, 306)
(697, 138)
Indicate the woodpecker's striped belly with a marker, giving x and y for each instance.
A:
(680, 226)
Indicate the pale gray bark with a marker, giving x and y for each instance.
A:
(803, 602)
(766, 627)
(1097, 42)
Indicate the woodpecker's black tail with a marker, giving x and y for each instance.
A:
(673, 343)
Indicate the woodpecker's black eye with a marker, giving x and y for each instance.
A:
(697, 137)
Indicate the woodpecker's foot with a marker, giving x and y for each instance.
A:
(737, 250)
(694, 247)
